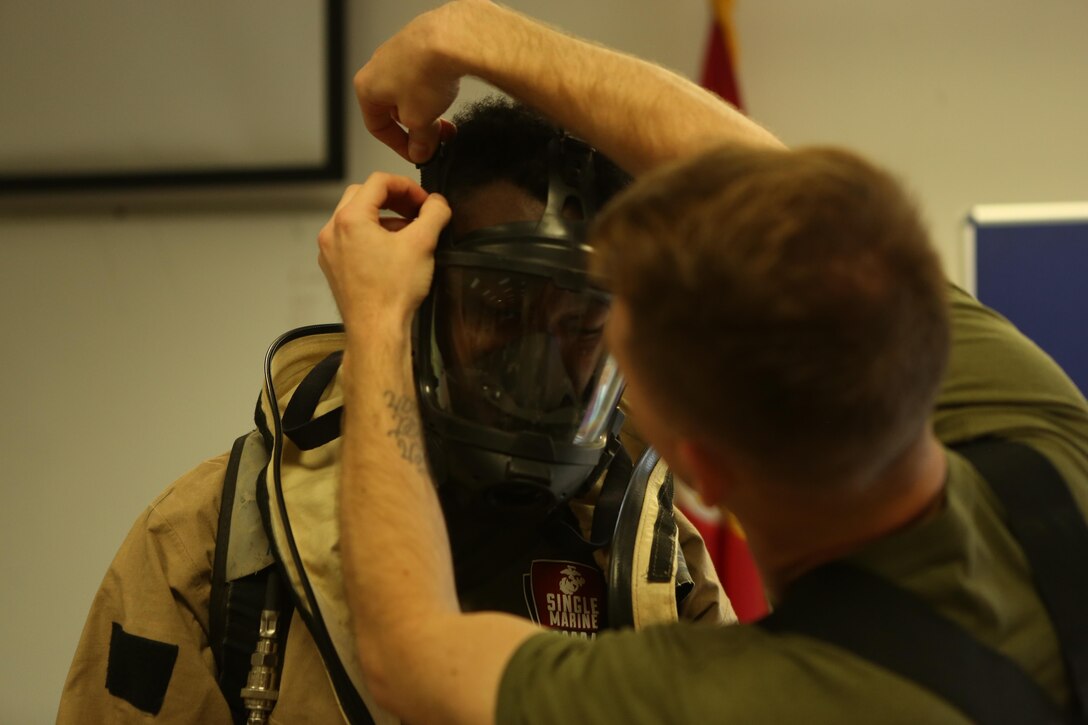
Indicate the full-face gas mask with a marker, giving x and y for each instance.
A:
(517, 392)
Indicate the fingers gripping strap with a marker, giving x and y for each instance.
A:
(432, 173)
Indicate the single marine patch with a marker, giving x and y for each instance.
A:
(566, 596)
(139, 669)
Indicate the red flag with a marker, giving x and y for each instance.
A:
(724, 538)
(720, 62)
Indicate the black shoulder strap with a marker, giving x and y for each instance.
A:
(217, 607)
(234, 614)
(1049, 526)
(607, 508)
(245, 598)
(232, 604)
(851, 608)
(891, 627)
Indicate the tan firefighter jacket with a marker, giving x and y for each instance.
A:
(144, 655)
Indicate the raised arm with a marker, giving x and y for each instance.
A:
(423, 659)
(638, 113)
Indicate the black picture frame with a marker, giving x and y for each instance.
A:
(328, 169)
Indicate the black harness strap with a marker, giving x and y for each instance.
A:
(1049, 526)
(246, 597)
(218, 599)
(299, 423)
(880, 622)
(891, 627)
(235, 606)
(607, 508)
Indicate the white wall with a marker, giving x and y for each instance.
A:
(970, 101)
(133, 340)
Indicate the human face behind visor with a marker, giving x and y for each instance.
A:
(517, 391)
(517, 351)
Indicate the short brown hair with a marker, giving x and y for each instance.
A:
(789, 302)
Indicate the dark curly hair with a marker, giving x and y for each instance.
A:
(499, 139)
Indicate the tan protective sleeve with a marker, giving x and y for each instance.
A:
(157, 588)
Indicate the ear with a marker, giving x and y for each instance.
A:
(703, 469)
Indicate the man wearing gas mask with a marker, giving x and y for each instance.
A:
(518, 394)
(226, 599)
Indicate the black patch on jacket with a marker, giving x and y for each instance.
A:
(139, 669)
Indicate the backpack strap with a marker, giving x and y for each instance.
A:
(241, 577)
(1049, 526)
(217, 607)
(241, 616)
(260, 689)
(849, 607)
(865, 614)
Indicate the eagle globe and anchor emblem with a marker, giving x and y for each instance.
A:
(572, 580)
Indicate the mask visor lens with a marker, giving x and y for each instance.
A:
(515, 352)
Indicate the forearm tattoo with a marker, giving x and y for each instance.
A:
(406, 428)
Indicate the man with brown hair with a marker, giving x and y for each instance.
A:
(830, 335)
(784, 326)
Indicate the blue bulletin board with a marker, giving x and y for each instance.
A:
(1030, 263)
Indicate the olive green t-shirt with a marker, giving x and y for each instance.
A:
(962, 560)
